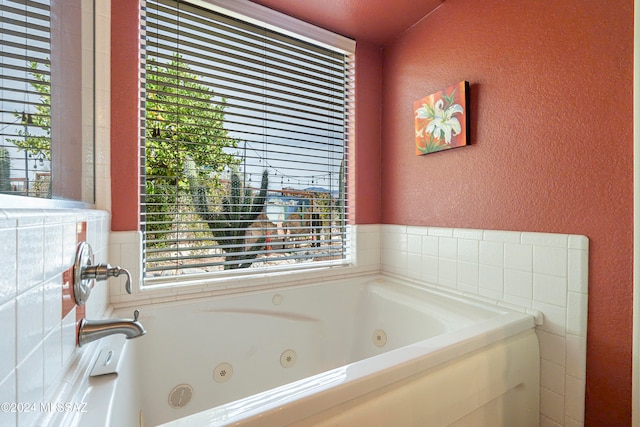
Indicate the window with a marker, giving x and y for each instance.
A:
(46, 101)
(244, 148)
(25, 101)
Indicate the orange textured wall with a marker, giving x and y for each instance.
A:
(125, 114)
(552, 147)
(365, 154)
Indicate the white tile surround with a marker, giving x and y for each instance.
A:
(535, 272)
(36, 344)
(102, 159)
(545, 272)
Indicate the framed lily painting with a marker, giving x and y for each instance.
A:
(442, 120)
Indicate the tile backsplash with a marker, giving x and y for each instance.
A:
(38, 341)
(523, 270)
(540, 272)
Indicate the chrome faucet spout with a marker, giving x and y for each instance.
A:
(91, 330)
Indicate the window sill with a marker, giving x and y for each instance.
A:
(195, 288)
(128, 245)
(22, 202)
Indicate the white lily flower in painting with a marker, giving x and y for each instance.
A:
(443, 123)
(424, 112)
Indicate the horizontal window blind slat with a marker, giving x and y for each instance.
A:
(290, 248)
(200, 34)
(291, 233)
(327, 112)
(246, 129)
(18, 100)
(240, 77)
(25, 71)
(300, 253)
(208, 265)
(212, 65)
(28, 10)
(199, 124)
(26, 38)
(32, 48)
(31, 24)
(304, 147)
(251, 110)
(37, 4)
(22, 80)
(165, 112)
(235, 26)
(296, 73)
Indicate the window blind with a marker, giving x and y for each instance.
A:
(25, 102)
(244, 148)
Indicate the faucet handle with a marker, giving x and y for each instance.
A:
(136, 313)
(104, 271)
(127, 285)
(116, 271)
(85, 273)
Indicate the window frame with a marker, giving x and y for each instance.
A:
(270, 19)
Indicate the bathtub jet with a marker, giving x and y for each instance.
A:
(91, 330)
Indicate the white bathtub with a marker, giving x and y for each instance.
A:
(371, 351)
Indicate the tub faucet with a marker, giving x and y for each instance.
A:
(85, 273)
(91, 330)
(104, 271)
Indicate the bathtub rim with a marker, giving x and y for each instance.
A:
(392, 366)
